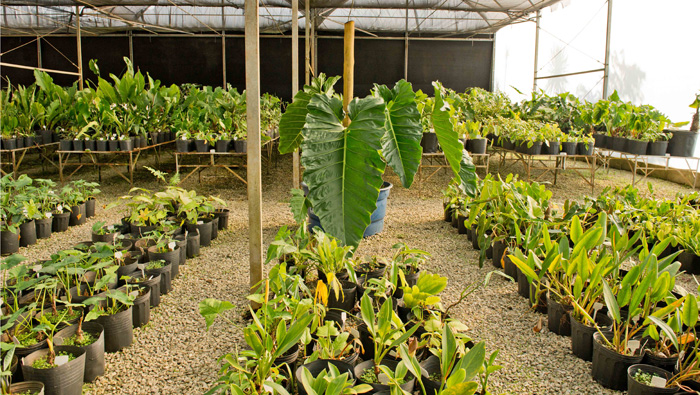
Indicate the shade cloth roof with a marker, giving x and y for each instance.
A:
(417, 17)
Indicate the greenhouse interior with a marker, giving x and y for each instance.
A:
(404, 197)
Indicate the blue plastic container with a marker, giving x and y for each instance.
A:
(377, 218)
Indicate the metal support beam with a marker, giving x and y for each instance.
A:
(223, 45)
(19, 66)
(405, 46)
(295, 82)
(307, 41)
(569, 74)
(606, 73)
(252, 86)
(80, 47)
(537, 49)
(492, 81)
(131, 46)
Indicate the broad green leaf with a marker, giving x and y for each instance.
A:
(211, 308)
(667, 330)
(292, 122)
(690, 311)
(401, 142)
(611, 302)
(298, 205)
(473, 360)
(467, 388)
(342, 166)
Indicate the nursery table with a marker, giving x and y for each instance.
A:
(435, 161)
(644, 164)
(233, 162)
(16, 157)
(583, 165)
(112, 159)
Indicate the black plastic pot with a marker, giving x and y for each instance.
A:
(126, 145)
(509, 267)
(66, 379)
(478, 146)
(508, 144)
(32, 387)
(535, 149)
(113, 145)
(636, 147)
(223, 218)
(240, 146)
(201, 145)
(666, 363)
(171, 258)
(585, 148)
(348, 297)
(152, 282)
(523, 285)
(429, 142)
(28, 141)
(119, 330)
(192, 244)
(43, 228)
(8, 144)
(27, 233)
(181, 241)
(77, 215)
(558, 318)
(690, 263)
(318, 366)
(570, 147)
(102, 145)
(94, 353)
(204, 231)
(447, 210)
(141, 230)
(141, 310)
(657, 148)
(105, 238)
(582, 336)
(65, 145)
(430, 367)
(499, 249)
(634, 387)
(617, 143)
(609, 367)
(78, 145)
(475, 238)
(9, 242)
(454, 220)
(182, 145)
(461, 227)
(90, 207)
(361, 367)
(214, 227)
(600, 139)
(90, 145)
(682, 143)
(289, 358)
(46, 136)
(165, 278)
(61, 221)
(551, 148)
(20, 142)
(222, 145)
(376, 273)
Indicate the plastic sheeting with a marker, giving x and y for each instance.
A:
(417, 17)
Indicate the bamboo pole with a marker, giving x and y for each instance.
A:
(80, 47)
(348, 67)
(295, 81)
(252, 86)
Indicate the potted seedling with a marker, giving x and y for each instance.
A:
(113, 312)
(103, 233)
(88, 336)
(331, 261)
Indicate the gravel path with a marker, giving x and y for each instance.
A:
(174, 355)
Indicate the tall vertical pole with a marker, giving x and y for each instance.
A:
(295, 81)
(606, 72)
(223, 44)
(80, 47)
(405, 47)
(314, 65)
(252, 87)
(131, 46)
(307, 41)
(537, 49)
(348, 67)
(39, 60)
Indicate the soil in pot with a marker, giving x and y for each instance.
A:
(551, 148)
(368, 270)
(66, 379)
(609, 367)
(27, 234)
(92, 342)
(558, 318)
(534, 149)
(118, 330)
(9, 242)
(641, 380)
(27, 387)
(364, 372)
(43, 228)
(660, 361)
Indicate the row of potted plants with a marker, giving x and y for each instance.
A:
(32, 209)
(562, 264)
(329, 323)
(115, 280)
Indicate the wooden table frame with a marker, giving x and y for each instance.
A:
(17, 157)
(550, 164)
(206, 160)
(640, 163)
(436, 161)
(111, 159)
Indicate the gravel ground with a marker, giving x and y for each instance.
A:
(174, 355)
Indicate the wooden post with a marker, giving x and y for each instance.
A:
(348, 67)
(223, 44)
(307, 39)
(80, 48)
(252, 86)
(295, 81)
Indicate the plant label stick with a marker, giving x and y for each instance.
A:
(61, 359)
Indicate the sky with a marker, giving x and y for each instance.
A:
(654, 53)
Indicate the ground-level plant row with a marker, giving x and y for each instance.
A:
(601, 273)
(60, 315)
(32, 209)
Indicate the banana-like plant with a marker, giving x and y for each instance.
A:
(344, 161)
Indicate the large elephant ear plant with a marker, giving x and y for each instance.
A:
(344, 162)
